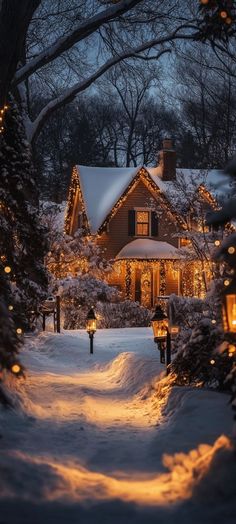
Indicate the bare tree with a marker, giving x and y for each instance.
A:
(127, 29)
(208, 106)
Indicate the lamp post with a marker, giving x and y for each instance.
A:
(162, 336)
(91, 327)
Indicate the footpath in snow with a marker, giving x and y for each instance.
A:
(107, 438)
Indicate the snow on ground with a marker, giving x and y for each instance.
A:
(107, 438)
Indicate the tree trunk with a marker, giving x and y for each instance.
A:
(15, 17)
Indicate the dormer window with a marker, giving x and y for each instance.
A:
(142, 223)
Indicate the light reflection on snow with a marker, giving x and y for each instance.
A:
(88, 430)
(76, 483)
(99, 398)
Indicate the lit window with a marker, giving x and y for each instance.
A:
(142, 223)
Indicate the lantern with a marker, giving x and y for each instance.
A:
(91, 327)
(159, 323)
(91, 322)
(229, 308)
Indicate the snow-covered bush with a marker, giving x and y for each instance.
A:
(122, 314)
(79, 294)
(197, 360)
(197, 357)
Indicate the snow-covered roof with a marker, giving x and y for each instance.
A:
(101, 188)
(214, 180)
(145, 248)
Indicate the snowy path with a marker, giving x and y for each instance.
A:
(89, 439)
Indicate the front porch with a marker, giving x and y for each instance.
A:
(142, 277)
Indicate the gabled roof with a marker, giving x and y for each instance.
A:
(102, 187)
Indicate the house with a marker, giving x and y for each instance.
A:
(134, 213)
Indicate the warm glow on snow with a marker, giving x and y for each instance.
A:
(99, 399)
(109, 429)
(77, 483)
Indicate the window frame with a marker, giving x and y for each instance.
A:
(142, 210)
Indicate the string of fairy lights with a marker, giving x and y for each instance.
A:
(15, 366)
(223, 10)
(75, 194)
(3, 111)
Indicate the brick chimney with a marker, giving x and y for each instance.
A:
(167, 160)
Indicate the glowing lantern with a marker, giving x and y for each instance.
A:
(229, 308)
(7, 269)
(161, 334)
(19, 331)
(159, 323)
(91, 322)
(91, 326)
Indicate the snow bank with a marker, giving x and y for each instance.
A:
(200, 474)
(104, 437)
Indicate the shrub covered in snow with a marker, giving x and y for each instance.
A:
(122, 314)
(79, 294)
(198, 359)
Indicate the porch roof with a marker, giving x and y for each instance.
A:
(146, 248)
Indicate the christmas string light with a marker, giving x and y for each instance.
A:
(2, 114)
(75, 195)
(16, 368)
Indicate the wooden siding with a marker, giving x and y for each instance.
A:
(116, 236)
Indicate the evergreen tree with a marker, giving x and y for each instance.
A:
(22, 238)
